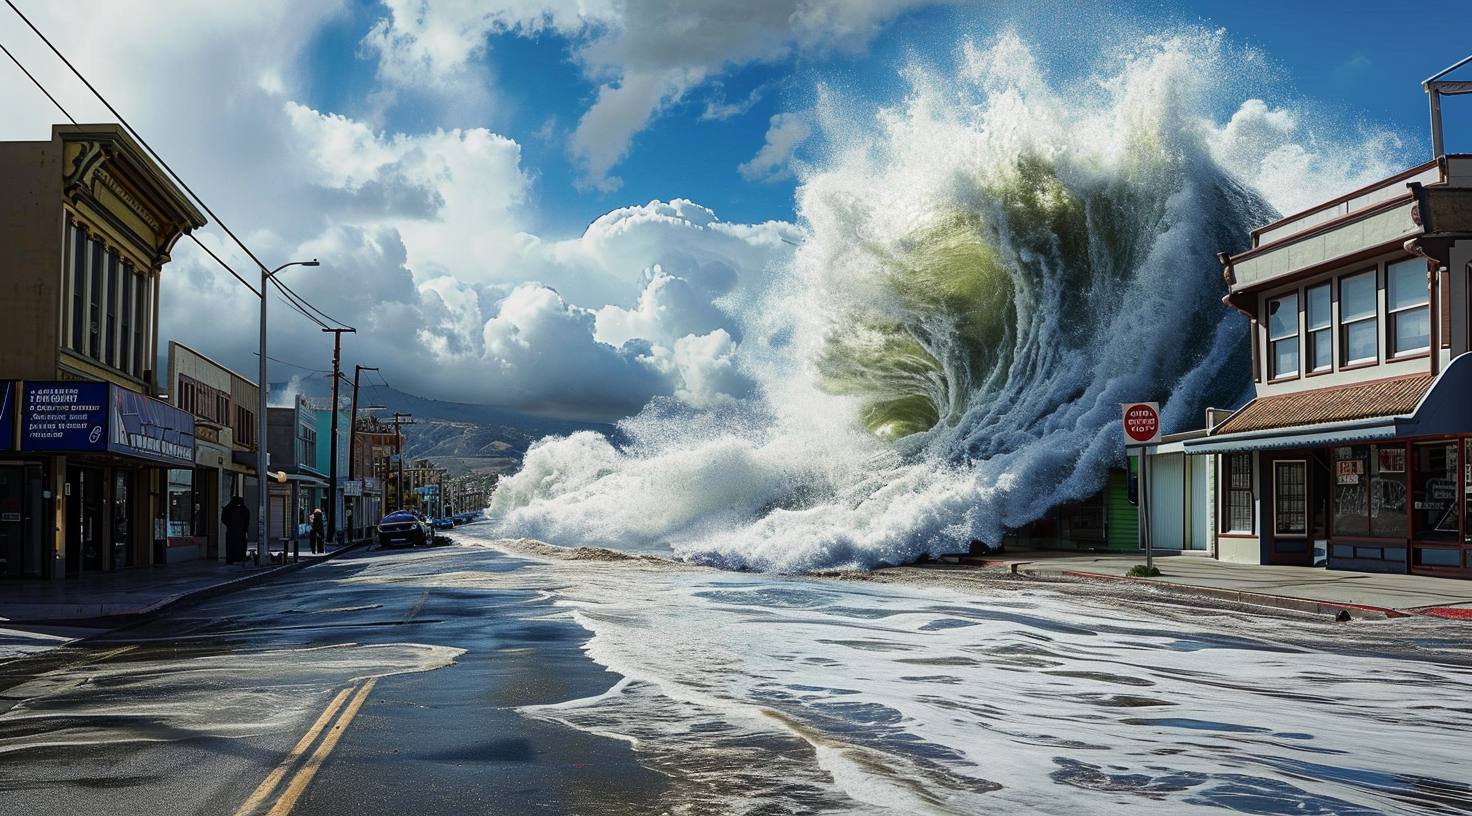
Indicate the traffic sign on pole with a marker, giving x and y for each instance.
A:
(1141, 423)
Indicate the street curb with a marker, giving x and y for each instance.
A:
(216, 590)
(1304, 605)
(128, 617)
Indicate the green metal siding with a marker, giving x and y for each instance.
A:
(1123, 517)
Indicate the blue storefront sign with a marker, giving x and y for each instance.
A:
(64, 417)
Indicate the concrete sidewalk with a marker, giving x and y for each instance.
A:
(1304, 589)
(94, 598)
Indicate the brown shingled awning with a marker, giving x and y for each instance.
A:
(1385, 398)
(1418, 406)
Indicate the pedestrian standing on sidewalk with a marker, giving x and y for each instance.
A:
(319, 533)
(236, 519)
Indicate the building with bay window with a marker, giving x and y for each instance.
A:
(87, 222)
(1356, 452)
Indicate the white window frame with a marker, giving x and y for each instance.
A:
(1396, 309)
(1372, 318)
(1318, 331)
(1290, 334)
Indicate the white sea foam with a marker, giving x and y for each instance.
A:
(991, 267)
(760, 694)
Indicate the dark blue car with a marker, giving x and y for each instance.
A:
(404, 528)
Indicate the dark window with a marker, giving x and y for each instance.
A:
(1434, 490)
(79, 289)
(94, 303)
(1290, 498)
(109, 338)
(1370, 491)
(1238, 478)
(140, 311)
(127, 360)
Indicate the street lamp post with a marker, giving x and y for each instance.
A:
(262, 511)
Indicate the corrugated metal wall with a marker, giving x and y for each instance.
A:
(1122, 518)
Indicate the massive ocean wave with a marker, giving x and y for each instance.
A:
(991, 267)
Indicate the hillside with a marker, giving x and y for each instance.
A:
(462, 438)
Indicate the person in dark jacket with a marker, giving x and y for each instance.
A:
(319, 531)
(236, 519)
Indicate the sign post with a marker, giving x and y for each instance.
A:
(1141, 429)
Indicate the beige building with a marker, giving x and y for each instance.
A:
(1357, 451)
(87, 222)
(223, 406)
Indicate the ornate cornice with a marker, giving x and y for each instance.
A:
(128, 198)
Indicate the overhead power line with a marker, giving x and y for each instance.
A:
(155, 156)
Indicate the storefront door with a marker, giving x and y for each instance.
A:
(1290, 521)
(86, 530)
(20, 514)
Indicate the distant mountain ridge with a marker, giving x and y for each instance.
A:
(460, 437)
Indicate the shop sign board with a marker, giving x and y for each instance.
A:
(102, 417)
(352, 487)
(1141, 423)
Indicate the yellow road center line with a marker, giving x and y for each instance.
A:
(304, 776)
(274, 778)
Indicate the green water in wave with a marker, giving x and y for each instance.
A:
(964, 289)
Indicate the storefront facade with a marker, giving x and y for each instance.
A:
(90, 460)
(87, 222)
(1354, 454)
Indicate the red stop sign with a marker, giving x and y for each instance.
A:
(1141, 422)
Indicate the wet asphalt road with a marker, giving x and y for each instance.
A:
(356, 686)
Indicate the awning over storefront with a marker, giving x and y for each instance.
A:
(1401, 408)
(100, 417)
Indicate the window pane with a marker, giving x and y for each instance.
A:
(1357, 297)
(1434, 487)
(94, 302)
(1290, 498)
(109, 339)
(1405, 284)
(1320, 315)
(1351, 491)
(1321, 350)
(1285, 357)
(79, 289)
(1360, 342)
(1412, 331)
(1283, 317)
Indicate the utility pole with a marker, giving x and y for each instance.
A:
(399, 440)
(353, 424)
(332, 498)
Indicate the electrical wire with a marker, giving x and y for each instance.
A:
(220, 222)
(73, 120)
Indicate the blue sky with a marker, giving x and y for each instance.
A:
(563, 207)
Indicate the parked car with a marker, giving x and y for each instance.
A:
(404, 528)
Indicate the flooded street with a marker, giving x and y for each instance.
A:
(922, 691)
(514, 678)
